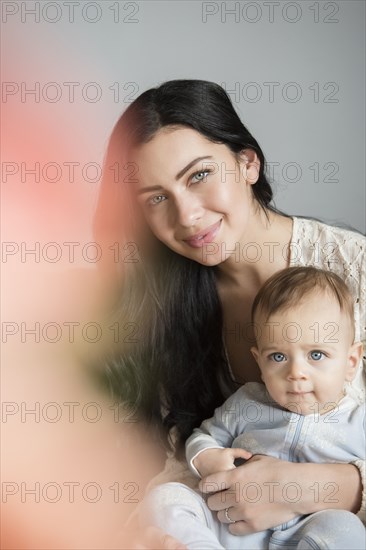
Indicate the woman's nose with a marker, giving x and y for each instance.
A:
(188, 211)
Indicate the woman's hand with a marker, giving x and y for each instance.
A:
(253, 505)
(265, 492)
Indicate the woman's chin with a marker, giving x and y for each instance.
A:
(206, 259)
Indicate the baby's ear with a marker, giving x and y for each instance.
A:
(255, 353)
(354, 358)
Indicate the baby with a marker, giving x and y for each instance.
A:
(304, 412)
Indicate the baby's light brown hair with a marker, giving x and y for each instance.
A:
(287, 288)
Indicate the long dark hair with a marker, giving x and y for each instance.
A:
(175, 373)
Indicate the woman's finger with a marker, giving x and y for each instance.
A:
(216, 482)
(228, 515)
(241, 528)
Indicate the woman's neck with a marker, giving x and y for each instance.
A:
(264, 251)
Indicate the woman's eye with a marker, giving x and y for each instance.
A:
(316, 355)
(278, 357)
(199, 176)
(157, 199)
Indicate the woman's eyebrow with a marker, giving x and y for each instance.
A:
(148, 189)
(189, 165)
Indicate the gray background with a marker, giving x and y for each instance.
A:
(48, 130)
(310, 124)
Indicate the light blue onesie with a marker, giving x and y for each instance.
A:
(250, 419)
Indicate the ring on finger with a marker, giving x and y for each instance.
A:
(228, 517)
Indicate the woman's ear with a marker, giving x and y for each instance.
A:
(354, 358)
(250, 165)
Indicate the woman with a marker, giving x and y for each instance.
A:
(189, 170)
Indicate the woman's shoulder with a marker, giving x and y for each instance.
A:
(334, 249)
(328, 247)
(309, 229)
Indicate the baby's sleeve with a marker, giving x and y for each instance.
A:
(217, 432)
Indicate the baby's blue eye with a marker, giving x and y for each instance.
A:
(199, 176)
(278, 357)
(316, 355)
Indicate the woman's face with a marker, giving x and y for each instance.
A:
(195, 196)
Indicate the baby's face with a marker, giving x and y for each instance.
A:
(305, 354)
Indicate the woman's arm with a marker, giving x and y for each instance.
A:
(281, 491)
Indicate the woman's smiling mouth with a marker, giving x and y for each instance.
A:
(205, 236)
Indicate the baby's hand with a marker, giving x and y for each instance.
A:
(211, 461)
